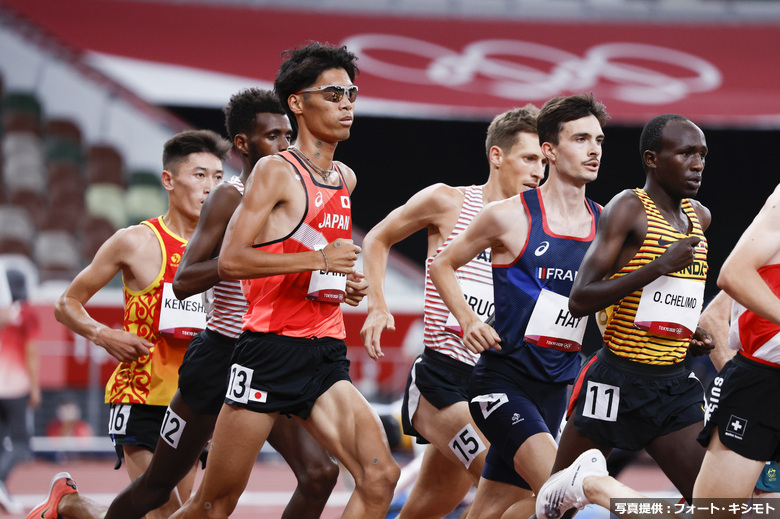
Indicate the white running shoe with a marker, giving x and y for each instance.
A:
(564, 488)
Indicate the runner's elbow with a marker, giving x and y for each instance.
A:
(577, 308)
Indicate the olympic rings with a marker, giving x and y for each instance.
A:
(486, 66)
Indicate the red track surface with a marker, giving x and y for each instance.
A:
(269, 488)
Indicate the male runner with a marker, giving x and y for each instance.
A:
(741, 424)
(290, 241)
(258, 126)
(157, 327)
(529, 356)
(646, 269)
(436, 399)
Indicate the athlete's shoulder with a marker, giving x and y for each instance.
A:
(348, 173)
(704, 214)
(129, 242)
(626, 201)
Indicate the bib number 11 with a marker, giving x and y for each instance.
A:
(601, 401)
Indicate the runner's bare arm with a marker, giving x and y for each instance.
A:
(487, 230)
(757, 247)
(622, 227)
(715, 319)
(111, 258)
(430, 208)
(271, 186)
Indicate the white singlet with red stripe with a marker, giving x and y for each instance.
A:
(229, 305)
(477, 270)
(757, 338)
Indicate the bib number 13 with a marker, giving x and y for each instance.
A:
(601, 401)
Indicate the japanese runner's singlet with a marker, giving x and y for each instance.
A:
(153, 378)
(284, 304)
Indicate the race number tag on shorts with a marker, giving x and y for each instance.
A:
(238, 386)
(670, 307)
(479, 297)
(181, 318)
(489, 403)
(172, 428)
(552, 326)
(601, 402)
(118, 416)
(327, 288)
(467, 445)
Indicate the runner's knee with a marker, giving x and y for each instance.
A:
(318, 480)
(379, 480)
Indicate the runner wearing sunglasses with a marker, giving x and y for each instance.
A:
(290, 242)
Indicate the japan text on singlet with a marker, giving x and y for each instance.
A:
(476, 282)
(279, 304)
(653, 325)
(539, 338)
(755, 337)
(229, 304)
(153, 378)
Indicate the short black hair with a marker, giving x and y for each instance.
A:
(244, 106)
(183, 144)
(562, 109)
(303, 65)
(653, 133)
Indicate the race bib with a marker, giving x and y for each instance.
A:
(552, 326)
(181, 318)
(479, 297)
(327, 288)
(670, 307)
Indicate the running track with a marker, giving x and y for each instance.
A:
(269, 489)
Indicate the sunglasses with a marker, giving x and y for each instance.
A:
(333, 93)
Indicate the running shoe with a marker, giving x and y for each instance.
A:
(564, 488)
(61, 485)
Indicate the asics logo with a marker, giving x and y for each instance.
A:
(541, 249)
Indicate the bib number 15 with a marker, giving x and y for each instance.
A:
(467, 445)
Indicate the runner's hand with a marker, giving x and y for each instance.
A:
(479, 337)
(123, 346)
(376, 322)
(342, 255)
(357, 288)
(702, 342)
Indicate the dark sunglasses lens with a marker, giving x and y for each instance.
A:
(333, 94)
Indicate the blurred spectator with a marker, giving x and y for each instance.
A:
(20, 390)
(68, 422)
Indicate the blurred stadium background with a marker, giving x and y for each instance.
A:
(91, 89)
